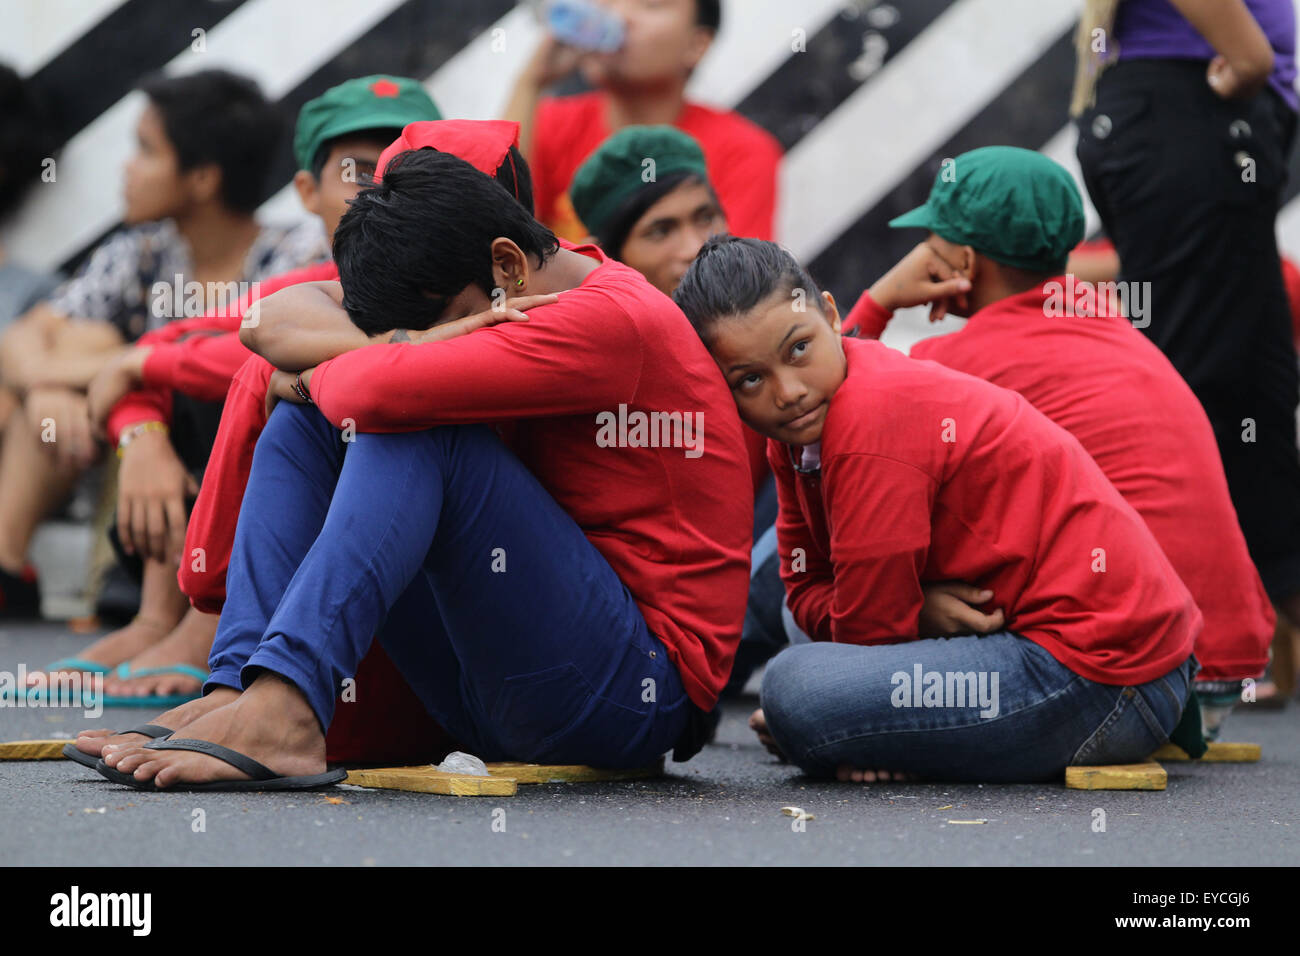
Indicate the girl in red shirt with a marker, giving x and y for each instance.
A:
(896, 475)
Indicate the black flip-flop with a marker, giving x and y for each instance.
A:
(264, 778)
(153, 731)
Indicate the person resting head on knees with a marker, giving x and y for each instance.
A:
(294, 340)
(540, 670)
(646, 199)
(390, 282)
(895, 476)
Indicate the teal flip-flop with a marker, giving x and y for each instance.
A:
(157, 701)
(78, 664)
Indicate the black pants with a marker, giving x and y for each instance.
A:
(1188, 188)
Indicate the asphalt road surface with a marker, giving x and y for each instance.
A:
(723, 807)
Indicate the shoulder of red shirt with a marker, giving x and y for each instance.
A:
(727, 128)
(561, 109)
(722, 127)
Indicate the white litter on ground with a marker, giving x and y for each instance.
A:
(463, 763)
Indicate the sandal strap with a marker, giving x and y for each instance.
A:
(151, 730)
(237, 760)
(185, 670)
(78, 664)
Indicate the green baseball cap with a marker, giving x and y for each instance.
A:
(619, 169)
(367, 102)
(1015, 206)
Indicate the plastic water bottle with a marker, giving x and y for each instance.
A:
(585, 25)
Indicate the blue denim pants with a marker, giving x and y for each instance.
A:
(997, 708)
(510, 627)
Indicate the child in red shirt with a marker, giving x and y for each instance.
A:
(1086, 367)
(895, 474)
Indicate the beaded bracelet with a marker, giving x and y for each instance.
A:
(301, 389)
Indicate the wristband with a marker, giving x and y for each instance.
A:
(301, 390)
(135, 431)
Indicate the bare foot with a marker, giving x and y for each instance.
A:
(758, 724)
(120, 645)
(190, 642)
(847, 774)
(271, 722)
(98, 743)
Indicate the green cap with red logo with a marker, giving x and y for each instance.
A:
(367, 102)
(1016, 206)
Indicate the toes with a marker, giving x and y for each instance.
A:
(158, 770)
(127, 757)
(91, 746)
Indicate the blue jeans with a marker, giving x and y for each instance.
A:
(509, 626)
(1002, 710)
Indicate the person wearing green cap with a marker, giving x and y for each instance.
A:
(341, 133)
(160, 401)
(645, 198)
(896, 476)
(1091, 372)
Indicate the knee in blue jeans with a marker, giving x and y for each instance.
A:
(1140, 721)
(289, 423)
(787, 696)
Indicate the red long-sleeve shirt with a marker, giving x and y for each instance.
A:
(1106, 384)
(198, 356)
(675, 527)
(210, 535)
(928, 475)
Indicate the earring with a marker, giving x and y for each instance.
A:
(520, 283)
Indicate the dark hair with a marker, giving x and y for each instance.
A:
(730, 276)
(214, 116)
(412, 242)
(516, 178)
(379, 135)
(708, 13)
(613, 235)
(26, 139)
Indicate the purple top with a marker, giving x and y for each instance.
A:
(1153, 29)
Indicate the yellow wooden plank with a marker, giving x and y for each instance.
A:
(429, 779)
(570, 773)
(33, 749)
(1220, 751)
(503, 779)
(1133, 776)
